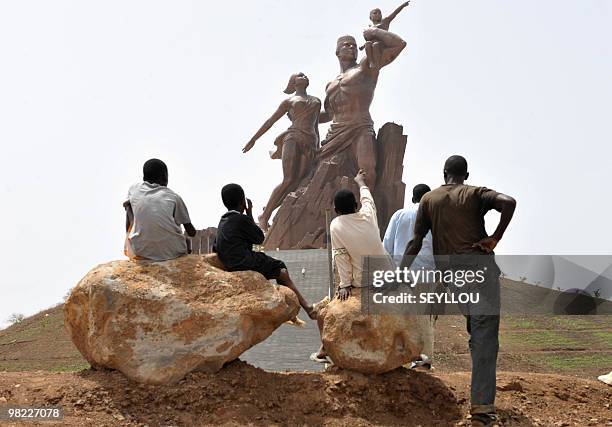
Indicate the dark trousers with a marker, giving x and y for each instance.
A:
(484, 345)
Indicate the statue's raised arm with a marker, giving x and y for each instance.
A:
(382, 47)
(297, 145)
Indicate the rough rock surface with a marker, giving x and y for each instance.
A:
(158, 321)
(300, 221)
(369, 343)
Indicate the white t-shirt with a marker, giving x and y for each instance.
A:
(156, 232)
(354, 236)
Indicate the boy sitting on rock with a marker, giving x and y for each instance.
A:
(236, 235)
(154, 215)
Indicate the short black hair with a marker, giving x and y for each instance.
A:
(419, 191)
(232, 196)
(154, 170)
(345, 202)
(456, 166)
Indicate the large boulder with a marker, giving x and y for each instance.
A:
(157, 321)
(371, 343)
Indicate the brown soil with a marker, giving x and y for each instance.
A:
(44, 369)
(241, 394)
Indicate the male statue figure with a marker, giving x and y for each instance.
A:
(348, 99)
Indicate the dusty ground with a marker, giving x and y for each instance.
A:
(241, 394)
(548, 367)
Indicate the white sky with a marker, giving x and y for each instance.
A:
(90, 90)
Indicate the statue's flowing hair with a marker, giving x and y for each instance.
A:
(291, 84)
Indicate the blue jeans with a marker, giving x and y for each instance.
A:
(484, 345)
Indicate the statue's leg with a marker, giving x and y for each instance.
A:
(291, 166)
(377, 48)
(365, 154)
(369, 51)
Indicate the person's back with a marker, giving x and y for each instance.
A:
(236, 235)
(355, 235)
(155, 214)
(456, 215)
(401, 230)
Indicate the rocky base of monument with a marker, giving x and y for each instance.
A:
(157, 321)
(300, 221)
(371, 344)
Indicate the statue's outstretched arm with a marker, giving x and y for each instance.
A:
(282, 109)
(393, 14)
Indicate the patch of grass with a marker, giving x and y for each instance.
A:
(32, 328)
(605, 337)
(572, 322)
(538, 340)
(522, 324)
(563, 363)
(72, 367)
(68, 365)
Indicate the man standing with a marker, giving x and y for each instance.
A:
(455, 213)
(401, 230)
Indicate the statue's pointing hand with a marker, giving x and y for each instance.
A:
(248, 146)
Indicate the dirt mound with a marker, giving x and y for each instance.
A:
(240, 394)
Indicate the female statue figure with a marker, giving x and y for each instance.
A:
(296, 147)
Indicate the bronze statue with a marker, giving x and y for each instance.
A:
(348, 99)
(297, 145)
(383, 23)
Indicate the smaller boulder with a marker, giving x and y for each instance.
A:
(371, 343)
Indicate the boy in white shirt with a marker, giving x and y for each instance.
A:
(154, 215)
(354, 235)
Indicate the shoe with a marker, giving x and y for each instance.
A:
(606, 378)
(423, 361)
(316, 358)
(482, 420)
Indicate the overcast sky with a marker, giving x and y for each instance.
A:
(90, 90)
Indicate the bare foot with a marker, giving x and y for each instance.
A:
(312, 313)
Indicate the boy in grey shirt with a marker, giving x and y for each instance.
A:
(154, 215)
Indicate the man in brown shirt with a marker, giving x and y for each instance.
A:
(455, 214)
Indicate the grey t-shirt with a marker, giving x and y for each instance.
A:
(156, 233)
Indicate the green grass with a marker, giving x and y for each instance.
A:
(572, 323)
(30, 330)
(605, 337)
(564, 363)
(73, 367)
(522, 324)
(538, 340)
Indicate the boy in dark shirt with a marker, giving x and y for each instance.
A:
(236, 235)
